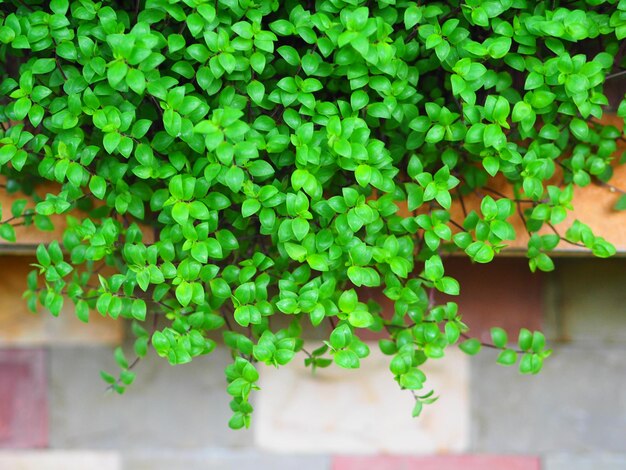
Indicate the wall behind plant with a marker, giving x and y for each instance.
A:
(55, 414)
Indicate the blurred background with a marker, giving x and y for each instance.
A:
(55, 414)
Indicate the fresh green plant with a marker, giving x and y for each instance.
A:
(241, 164)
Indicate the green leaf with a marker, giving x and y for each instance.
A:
(499, 337)
(97, 185)
(360, 318)
(184, 293)
(319, 262)
(82, 311)
(470, 346)
(220, 288)
(257, 62)
(500, 46)
(525, 339)
(234, 178)
(296, 252)
(363, 276)
(489, 208)
(378, 110)
(180, 212)
(111, 140)
(453, 332)
(480, 252)
(7, 232)
(120, 358)
(412, 380)
(21, 108)
(417, 409)
(6, 153)
(136, 80)
(341, 336)
(256, 91)
(412, 16)
(359, 100)
(117, 72)
(435, 134)
(348, 301)
(491, 165)
(580, 129)
(347, 359)
(508, 357)
(138, 310)
(448, 285)
(300, 228)
(415, 196)
(363, 175)
(250, 207)
(620, 205)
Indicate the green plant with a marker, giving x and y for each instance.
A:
(240, 163)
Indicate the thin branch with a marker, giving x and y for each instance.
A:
(614, 75)
(520, 213)
(457, 225)
(307, 353)
(492, 346)
(58, 62)
(562, 238)
(610, 187)
(226, 319)
(500, 194)
(461, 200)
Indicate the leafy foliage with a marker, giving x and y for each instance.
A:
(243, 167)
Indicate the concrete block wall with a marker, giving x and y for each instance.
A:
(55, 414)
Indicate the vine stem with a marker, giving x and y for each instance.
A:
(615, 75)
(137, 358)
(457, 225)
(307, 353)
(562, 238)
(610, 187)
(491, 346)
(461, 200)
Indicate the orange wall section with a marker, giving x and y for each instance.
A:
(593, 205)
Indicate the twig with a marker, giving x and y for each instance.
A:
(614, 75)
(556, 232)
(492, 346)
(461, 200)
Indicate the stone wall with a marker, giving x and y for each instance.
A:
(55, 414)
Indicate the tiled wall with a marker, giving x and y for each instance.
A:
(55, 414)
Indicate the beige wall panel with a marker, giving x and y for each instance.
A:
(20, 327)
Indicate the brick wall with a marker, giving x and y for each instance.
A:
(55, 414)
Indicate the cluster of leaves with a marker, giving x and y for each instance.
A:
(243, 167)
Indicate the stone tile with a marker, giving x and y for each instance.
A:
(59, 460)
(448, 462)
(552, 319)
(585, 461)
(23, 399)
(576, 404)
(502, 293)
(361, 411)
(591, 300)
(220, 459)
(182, 407)
(18, 326)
